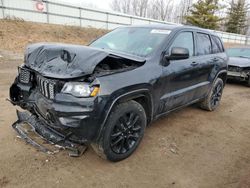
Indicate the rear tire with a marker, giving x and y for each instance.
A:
(248, 82)
(122, 132)
(212, 101)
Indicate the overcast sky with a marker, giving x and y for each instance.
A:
(101, 4)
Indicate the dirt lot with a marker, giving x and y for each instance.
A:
(189, 148)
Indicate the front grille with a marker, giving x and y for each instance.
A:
(24, 75)
(234, 69)
(46, 87)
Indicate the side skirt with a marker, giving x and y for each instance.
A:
(178, 108)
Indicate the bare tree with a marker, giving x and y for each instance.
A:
(140, 7)
(183, 9)
(123, 6)
(166, 10)
(161, 9)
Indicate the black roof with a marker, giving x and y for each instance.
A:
(172, 27)
(157, 26)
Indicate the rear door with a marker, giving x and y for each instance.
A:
(220, 57)
(207, 60)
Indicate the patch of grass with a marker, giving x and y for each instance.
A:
(16, 34)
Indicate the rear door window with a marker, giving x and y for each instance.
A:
(204, 46)
(216, 45)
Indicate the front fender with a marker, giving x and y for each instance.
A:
(121, 96)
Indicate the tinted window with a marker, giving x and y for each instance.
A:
(185, 40)
(204, 46)
(216, 45)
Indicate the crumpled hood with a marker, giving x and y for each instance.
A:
(66, 61)
(239, 62)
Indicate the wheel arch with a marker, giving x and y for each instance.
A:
(223, 76)
(142, 96)
(143, 99)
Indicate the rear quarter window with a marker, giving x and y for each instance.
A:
(204, 46)
(217, 46)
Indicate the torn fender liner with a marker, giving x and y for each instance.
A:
(25, 120)
(66, 61)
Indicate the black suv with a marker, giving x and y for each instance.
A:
(105, 94)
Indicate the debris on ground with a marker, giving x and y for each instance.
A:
(4, 181)
(173, 148)
(167, 145)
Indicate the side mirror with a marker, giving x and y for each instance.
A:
(177, 53)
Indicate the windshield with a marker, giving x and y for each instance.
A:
(239, 52)
(136, 41)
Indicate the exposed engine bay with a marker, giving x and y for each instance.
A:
(113, 64)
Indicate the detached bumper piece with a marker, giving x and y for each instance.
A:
(243, 75)
(33, 130)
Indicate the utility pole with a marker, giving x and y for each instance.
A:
(247, 42)
(2, 4)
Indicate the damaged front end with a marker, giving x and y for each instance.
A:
(239, 73)
(28, 124)
(58, 86)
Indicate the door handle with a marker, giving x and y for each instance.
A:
(194, 63)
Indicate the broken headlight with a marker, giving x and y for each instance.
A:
(79, 89)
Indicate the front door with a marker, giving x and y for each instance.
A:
(181, 78)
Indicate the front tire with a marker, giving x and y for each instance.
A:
(123, 131)
(212, 101)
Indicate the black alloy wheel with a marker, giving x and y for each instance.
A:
(216, 95)
(122, 132)
(212, 100)
(126, 133)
